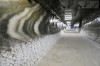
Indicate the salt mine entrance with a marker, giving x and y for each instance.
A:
(49, 33)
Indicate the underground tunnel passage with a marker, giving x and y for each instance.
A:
(49, 33)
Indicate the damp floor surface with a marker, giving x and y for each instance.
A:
(73, 49)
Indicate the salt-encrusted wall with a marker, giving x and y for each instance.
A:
(26, 34)
(92, 30)
(17, 53)
(25, 20)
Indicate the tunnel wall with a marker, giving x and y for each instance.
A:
(25, 32)
(92, 30)
(16, 53)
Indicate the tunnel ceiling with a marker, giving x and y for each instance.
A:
(81, 8)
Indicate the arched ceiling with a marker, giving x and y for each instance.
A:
(81, 8)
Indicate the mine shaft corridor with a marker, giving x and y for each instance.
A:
(73, 49)
(49, 33)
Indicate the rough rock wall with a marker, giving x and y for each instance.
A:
(92, 30)
(17, 53)
(23, 20)
(24, 33)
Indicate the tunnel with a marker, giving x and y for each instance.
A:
(49, 33)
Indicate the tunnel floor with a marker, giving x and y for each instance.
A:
(73, 49)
